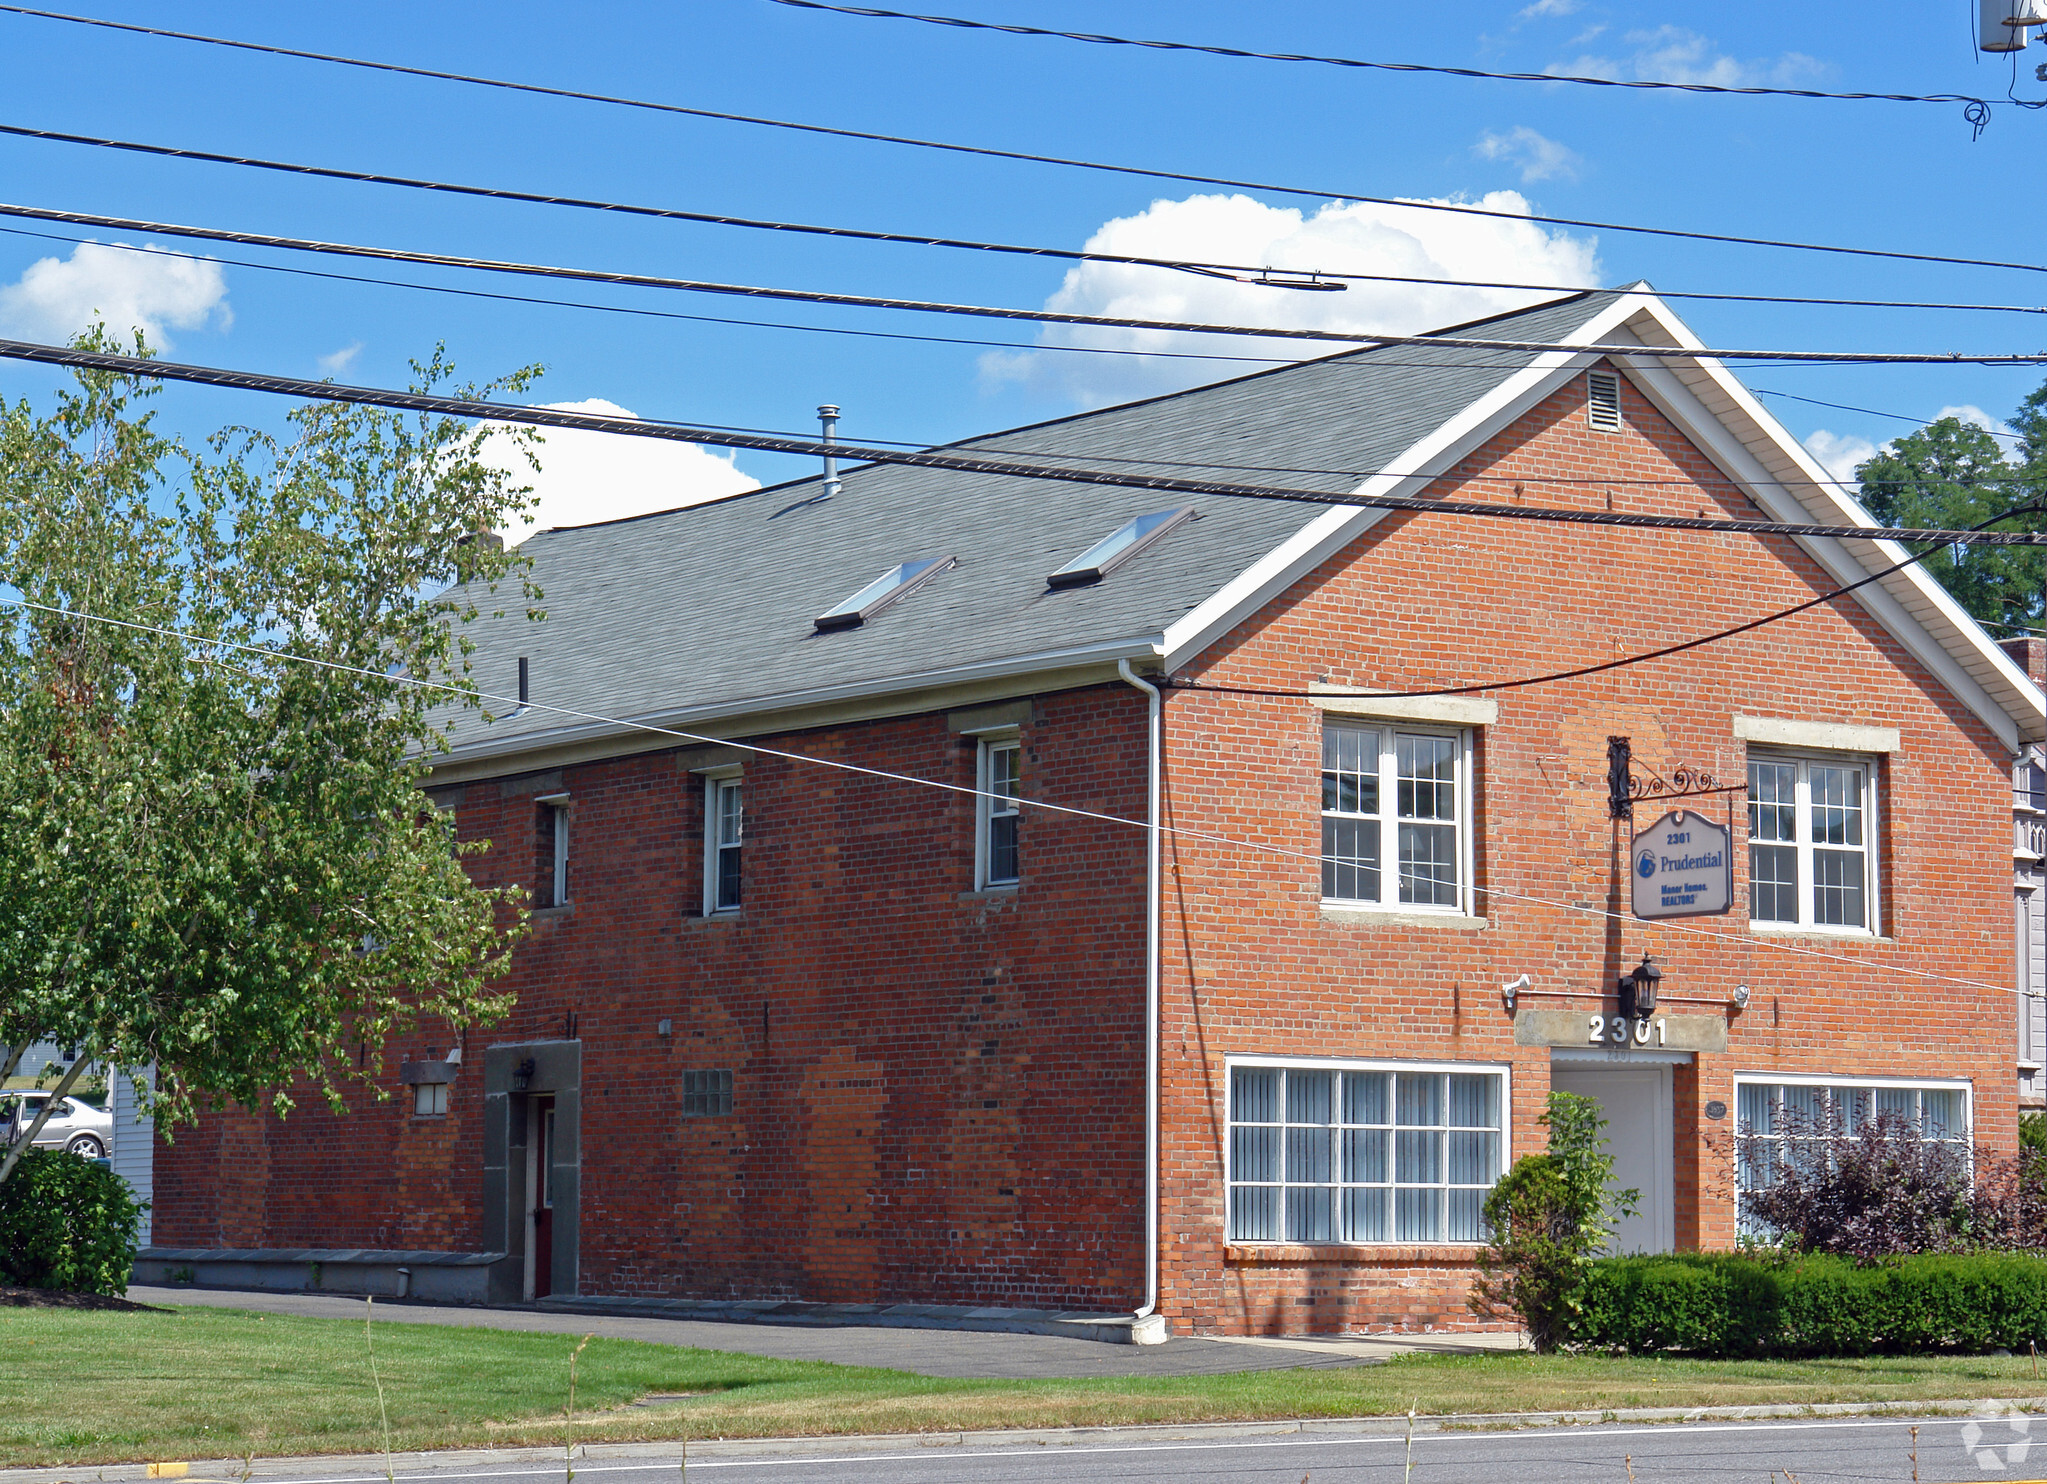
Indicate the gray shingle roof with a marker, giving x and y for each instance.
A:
(711, 606)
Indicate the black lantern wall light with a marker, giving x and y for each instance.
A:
(1637, 989)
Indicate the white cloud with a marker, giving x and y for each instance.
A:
(1968, 412)
(589, 477)
(1673, 54)
(1550, 7)
(1340, 237)
(56, 298)
(341, 359)
(1537, 157)
(1839, 454)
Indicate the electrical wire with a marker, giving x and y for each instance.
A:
(979, 444)
(1924, 422)
(1019, 156)
(553, 417)
(1239, 54)
(131, 224)
(473, 693)
(1626, 661)
(1047, 316)
(668, 314)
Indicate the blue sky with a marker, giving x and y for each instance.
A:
(1899, 176)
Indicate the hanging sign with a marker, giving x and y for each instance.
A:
(1682, 866)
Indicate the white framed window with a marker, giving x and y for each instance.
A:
(1396, 819)
(999, 774)
(554, 851)
(1812, 841)
(1363, 1152)
(430, 1100)
(1784, 1118)
(724, 838)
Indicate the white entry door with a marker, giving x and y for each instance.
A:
(1636, 1101)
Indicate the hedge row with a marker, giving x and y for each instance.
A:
(1731, 1304)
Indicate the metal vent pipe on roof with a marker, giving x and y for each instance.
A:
(828, 416)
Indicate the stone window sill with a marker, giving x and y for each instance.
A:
(553, 914)
(1348, 916)
(712, 919)
(990, 894)
(1448, 1254)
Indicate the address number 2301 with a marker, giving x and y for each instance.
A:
(1618, 1030)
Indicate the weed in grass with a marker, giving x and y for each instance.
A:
(569, 1415)
(383, 1411)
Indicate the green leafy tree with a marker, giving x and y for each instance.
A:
(1955, 475)
(219, 861)
(1549, 1217)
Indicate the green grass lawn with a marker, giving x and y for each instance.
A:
(107, 1387)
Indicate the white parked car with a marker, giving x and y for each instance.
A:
(75, 1125)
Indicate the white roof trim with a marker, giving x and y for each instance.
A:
(1750, 446)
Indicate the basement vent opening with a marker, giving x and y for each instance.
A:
(1118, 547)
(1603, 400)
(896, 583)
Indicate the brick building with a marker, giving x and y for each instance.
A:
(806, 1032)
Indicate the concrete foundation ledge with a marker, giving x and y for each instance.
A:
(442, 1277)
(1114, 1329)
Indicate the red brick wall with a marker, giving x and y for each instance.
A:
(1252, 967)
(938, 1094)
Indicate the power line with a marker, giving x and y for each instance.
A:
(1239, 54)
(667, 314)
(471, 692)
(551, 417)
(1045, 316)
(980, 445)
(1018, 156)
(131, 224)
(1627, 661)
(1924, 422)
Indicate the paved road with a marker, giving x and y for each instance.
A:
(1833, 1451)
(928, 1352)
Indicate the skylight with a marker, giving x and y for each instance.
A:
(1118, 547)
(895, 583)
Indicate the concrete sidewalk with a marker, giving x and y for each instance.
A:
(926, 1352)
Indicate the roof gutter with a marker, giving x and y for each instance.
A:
(1148, 1327)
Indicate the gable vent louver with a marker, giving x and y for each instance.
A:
(1603, 400)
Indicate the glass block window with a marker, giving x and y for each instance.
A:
(1812, 859)
(1363, 1155)
(706, 1094)
(1395, 822)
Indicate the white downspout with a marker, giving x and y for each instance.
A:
(1147, 1326)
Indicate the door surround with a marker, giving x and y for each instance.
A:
(514, 1074)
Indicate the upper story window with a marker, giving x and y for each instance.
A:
(997, 812)
(1395, 817)
(1347, 1153)
(724, 837)
(552, 889)
(1812, 841)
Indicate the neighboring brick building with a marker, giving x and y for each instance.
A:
(788, 1031)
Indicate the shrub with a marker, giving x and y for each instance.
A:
(1547, 1216)
(1741, 1305)
(1884, 1189)
(1881, 1190)
(66, 1223)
